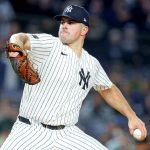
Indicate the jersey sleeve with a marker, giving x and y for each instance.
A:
(101, 80)
(41, 46)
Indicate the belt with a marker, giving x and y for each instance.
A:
(27, 121)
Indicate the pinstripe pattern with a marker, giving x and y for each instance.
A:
(35, 137)
(57, 99)
(26, 137)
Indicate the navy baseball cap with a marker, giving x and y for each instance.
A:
(76, 13)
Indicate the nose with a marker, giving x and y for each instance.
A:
(64, 25)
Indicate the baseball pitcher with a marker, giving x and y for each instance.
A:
(57, 79)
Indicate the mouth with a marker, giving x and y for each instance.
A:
(64, 32)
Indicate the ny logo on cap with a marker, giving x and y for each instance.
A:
(68, 9)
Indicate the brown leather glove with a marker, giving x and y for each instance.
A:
(22, 65)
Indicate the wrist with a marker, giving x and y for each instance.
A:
(131, 116)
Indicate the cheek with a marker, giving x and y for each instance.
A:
(75, 34)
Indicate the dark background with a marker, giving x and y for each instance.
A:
(119, 38)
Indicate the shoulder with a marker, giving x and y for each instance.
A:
(41, 36)
(43, 39)
(90, 57)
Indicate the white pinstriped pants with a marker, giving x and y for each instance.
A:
(36, 137)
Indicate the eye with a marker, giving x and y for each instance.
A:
(71, 22)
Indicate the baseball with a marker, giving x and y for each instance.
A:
(137, 134)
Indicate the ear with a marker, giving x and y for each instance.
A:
(85, 30)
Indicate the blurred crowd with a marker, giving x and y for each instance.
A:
(119, 38)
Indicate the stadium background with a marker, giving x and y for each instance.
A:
(119, 38)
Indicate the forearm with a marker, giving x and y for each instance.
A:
(115, 99)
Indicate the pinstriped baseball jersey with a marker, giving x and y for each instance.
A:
(65, 81)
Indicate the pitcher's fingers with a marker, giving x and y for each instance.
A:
(13, 54)
(143, 130)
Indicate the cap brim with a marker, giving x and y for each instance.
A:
(58, 17)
